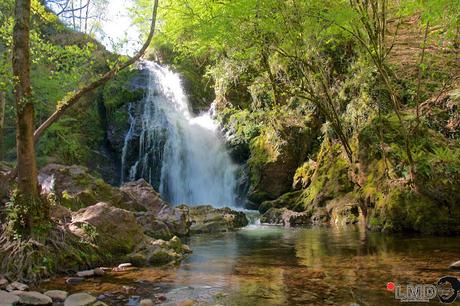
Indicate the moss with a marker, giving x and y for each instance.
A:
(329, 180)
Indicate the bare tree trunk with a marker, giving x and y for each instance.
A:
(2, 121)
(25, 146)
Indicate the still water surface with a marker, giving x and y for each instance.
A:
(276, 266)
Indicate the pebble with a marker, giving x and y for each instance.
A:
(74, 280)
(79, 299)
(32, 298)
(7, 298)
(455, 265)
(57, 295)
(86, 273)
(146, 302)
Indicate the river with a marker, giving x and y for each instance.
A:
(270, 265)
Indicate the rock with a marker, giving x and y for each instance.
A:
(125, 265)
(17, 286)
(76, 188)
(57, 295)
(74, 280)
(276, 154)
(158, 252)
(8, 299)
(61, 214)
(3, 282)
(32, 298)
(86, 273)
(146, 302)
(206, 219)
(79, 299)
(153, 227)
(99, 272)
(99, 303)
(455, 265)
(113, 230)
(144, 194)
(286, 217)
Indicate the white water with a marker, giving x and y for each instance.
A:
(181, 153)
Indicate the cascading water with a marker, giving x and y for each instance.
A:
(179, 154)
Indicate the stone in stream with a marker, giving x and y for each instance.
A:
(17, 286)
(79, 299)
(99, 272)
(8, 299)
(32, 298)
(146, 302)
(86, 273)
(57, 295)
(455, 266)
(74, 280)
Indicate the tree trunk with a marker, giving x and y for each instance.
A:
(26, 163)
(2, 121)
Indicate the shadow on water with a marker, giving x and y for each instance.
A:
(278, 266)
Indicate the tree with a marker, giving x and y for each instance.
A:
(2, 121)
(31, 208)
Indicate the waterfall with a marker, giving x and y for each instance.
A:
(181, 155)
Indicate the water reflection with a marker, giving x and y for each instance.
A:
(277, 266)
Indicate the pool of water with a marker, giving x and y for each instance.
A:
(267, 265)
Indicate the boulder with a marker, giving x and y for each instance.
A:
(276, 153)
(17, 286)
(32, 298)
(8, 299)
(60, 214)
(75, 188)
(57, 295)
(159, 252)
(286, 217)
(144, 194)
(112, 229)
(80, 299)
(206, 219)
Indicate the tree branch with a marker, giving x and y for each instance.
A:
(72, 100)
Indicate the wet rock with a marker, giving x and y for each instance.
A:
(16, 286)
(32, 298)
(79, 299)
(99, 303)
(57, 295)
(286, 217)
(114, 230)
(86, 273)
(74, 280)
(206, 219)
(146, 302)
(455, 265)
(7, 298)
